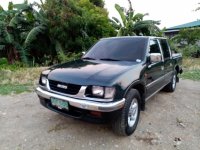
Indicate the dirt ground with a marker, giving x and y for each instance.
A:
(170, 121)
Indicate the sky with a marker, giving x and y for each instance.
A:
(169, 12)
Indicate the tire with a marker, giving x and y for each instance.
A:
(126, 121)
(172, 85)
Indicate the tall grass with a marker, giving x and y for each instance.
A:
(191, 63)
(191, 69)
(18, 80)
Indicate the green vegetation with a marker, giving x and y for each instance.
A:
(191, 74)
(17, 79)
(186, 42)
(133, 24)
(36, 34)
(191, 69)
(14, 89)
(56, 31)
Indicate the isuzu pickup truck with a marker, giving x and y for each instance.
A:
(112, 80)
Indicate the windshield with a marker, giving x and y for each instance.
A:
(118, 49)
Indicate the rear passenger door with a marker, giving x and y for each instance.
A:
(155, 71)
(168, 65)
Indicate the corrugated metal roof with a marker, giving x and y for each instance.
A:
(171, 31)
(186, 25)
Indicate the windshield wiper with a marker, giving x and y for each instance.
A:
(88, 58)
(109, 59)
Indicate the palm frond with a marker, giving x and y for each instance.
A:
(22, 7)
(23, 52)
(152, 22)
(6, 37)
(139, 17)
(2, 47)
(115, 23)
(16, 20)
(58, 46)
(38, 5)
(121, 13)
(116, 20)
(32, 35)
(9, 37)
(148, 26)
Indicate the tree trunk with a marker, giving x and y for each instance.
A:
(12, 54)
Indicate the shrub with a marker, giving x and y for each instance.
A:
(62, 57)
(190, 51)
(3, 61)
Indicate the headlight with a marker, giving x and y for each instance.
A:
(98, 91)
(44, 80)
(103, 92)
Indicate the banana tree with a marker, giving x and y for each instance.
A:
(132, 23)
(19, 27)
(6, 37)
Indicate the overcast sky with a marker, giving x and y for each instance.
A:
(169, 12)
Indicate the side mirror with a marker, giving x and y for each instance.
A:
(155, 57)
(83, 53)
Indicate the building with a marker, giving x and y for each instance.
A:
(172, 31)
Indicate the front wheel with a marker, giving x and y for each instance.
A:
(126, 122)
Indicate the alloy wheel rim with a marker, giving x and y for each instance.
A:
(174, 82)
(133, 112)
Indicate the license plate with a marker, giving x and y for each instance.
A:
(59, 103)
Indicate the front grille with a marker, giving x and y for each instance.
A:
(71, 88)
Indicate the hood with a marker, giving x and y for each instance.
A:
(92, 72)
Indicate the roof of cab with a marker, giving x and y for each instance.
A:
(125, 37)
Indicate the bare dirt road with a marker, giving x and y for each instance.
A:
(170, 121)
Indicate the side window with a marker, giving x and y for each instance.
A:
(154, 46)
(165, 48)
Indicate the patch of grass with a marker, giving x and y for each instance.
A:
(19, 80)
(14, 89)
(191, 69)
(191, 63)
(191, 74)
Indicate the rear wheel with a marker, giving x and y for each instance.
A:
(126, 122)
(172, 85)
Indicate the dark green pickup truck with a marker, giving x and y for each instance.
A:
(112, 81)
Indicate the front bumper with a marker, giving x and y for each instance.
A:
(83, 104)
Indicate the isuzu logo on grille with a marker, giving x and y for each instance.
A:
(62, 86)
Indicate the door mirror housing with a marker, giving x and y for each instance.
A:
(155, 57)
(83, 53)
